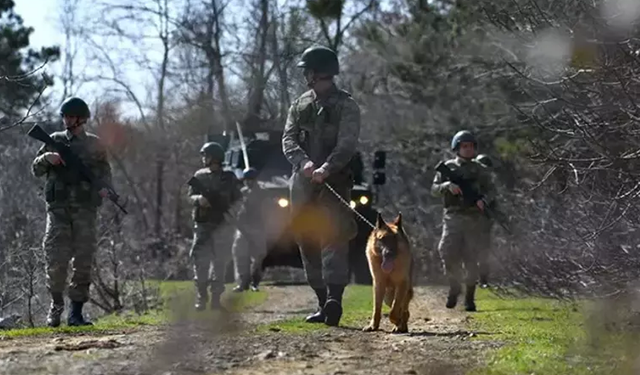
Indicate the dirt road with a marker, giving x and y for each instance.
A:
(437, 344)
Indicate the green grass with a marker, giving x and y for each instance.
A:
(177, 299)
(538, 336)
(544, 336)
(357, 312)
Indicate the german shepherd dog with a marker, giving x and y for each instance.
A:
(391, 265)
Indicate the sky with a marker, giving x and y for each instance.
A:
(43, 15)
(40, 14)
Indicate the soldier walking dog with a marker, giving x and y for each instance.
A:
(319, 139)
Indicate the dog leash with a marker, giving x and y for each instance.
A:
(358, 214)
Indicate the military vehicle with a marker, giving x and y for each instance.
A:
(264, 151)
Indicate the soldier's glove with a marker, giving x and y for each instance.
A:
(203, 202)
(319, 175)
(453, 188)
(307, 168)
(53, 158)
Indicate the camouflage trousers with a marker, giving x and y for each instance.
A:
(462, 242)
(249, 250)
(323, 227)
(70, 235)
(209, 254)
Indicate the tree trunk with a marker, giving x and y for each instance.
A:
(256, 96)
(283, 77)
(164, 36)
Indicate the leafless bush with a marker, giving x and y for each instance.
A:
(577, 93)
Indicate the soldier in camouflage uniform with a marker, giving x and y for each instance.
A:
(320, 138)
(72, 205)
(252, 244)
(463, 226)
(209, 260)
(483, 261)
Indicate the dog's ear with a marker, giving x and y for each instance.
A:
(380, 224)
(398, 220)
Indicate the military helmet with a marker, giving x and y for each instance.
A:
(320, 59)
(75, 106)
(462, 136)
(213, 150)
(250, 173)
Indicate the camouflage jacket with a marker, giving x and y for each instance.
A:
(323, 130)
(477, 174)
(223, 182)
(64, 187)
(251, 210)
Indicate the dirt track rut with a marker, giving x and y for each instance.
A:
(437, 344)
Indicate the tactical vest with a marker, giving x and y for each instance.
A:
(319, 126)
(65, 186)
(226, 185)
(469, 171)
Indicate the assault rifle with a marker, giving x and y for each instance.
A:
(470, 195)
(216, 202)
(72, 161)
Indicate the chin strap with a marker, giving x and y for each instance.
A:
(316, 78)
(76, 124)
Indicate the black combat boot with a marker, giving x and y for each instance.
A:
(333, 306)
(56, 309)
(469, 297)
(201, 297)
(255, 280)
(454, 292)
(75, 317)
(318, 316)
(241, 287)
(484, 283)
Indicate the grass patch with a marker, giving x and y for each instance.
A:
(544, 336)
(178, 298)
(357, 305)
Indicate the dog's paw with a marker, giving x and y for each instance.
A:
(400, 329)
(370, 328)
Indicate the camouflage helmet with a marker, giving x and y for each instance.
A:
(249, 174)
(462, 136)
(75, 106)
(321, 60)
(484, 160)
(213, 150)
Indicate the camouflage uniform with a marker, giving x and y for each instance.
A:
(464, 228)
(254, 247)
(209, 234)
(326, 132)
(72, 205)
